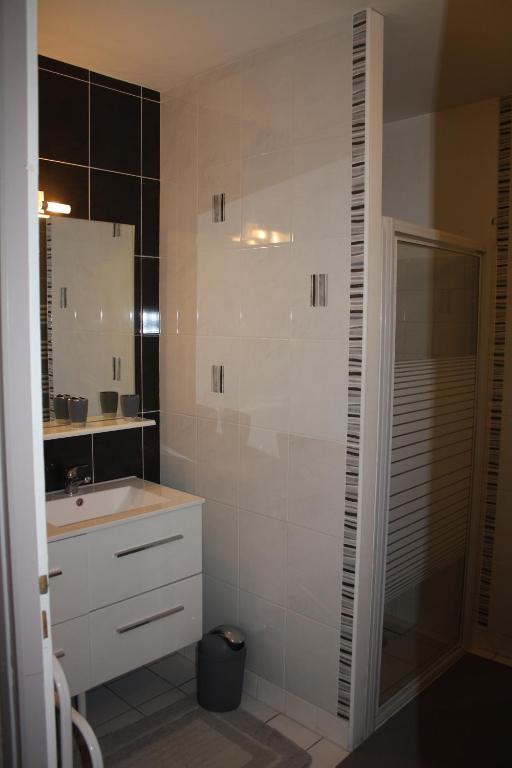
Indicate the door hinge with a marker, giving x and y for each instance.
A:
(43, 585)
(44, 617)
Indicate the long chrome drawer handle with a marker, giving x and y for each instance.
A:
(55, 572)
(149, 619)
(59, 654)
(149, 545)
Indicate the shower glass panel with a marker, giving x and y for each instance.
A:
(434, 391)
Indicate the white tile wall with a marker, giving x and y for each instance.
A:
(316, 485)
(220, 534)
(267, 184)
(220, 605)
(272, 133)
(262, 552)
(178, 451)
(312, 650)
(217, 350)
(217, 459)
(264, 383)
(264, 625)
(265, 282)
(267, 101)
(218, 274)
(312, 575)
(317, 404)
(263, 471)
(218, 129)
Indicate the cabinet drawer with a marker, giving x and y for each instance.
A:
(68, 578)
(136, 631)
(71, 646)
(132, 558)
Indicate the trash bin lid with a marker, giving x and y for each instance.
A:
(231, 635)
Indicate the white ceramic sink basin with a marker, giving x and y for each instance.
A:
(63, 510)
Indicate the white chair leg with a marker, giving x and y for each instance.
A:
(69, 717)
(65, 723)
(93, 748)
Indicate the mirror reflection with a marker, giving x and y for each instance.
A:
(87, 312)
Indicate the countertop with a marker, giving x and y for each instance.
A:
(171, 499)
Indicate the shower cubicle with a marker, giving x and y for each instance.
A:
(431, 447)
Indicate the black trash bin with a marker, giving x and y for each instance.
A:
(220, 669)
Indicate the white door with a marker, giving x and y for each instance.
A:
(431, 425)
(28, 713)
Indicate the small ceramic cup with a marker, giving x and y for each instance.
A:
(129, 406)
(61, 409)
(78, 407)
(108, 402)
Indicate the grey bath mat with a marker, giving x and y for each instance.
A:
(186, 736)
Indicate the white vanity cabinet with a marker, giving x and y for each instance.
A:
(126, 593)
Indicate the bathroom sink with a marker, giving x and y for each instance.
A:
(97, 502)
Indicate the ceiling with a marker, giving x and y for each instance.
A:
(438, 53)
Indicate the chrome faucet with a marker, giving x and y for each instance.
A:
(75, 477)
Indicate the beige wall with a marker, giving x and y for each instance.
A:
(440, 169)
(273, 132)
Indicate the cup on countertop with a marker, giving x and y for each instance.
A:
(108, 402)
(61, 409)
(130, 406)
(78, 407)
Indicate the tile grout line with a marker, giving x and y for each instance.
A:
(96, 168)
(100, 85)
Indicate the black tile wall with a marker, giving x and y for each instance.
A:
(115, 130)
(60, 454)
(116, 197)
(116, 85)
(150, 303)
(58, 140)
(150, 147)
(118, 454)
(62, 68)
(100, 152)
(147, 93)
(151, 438)
(108, 455)
(64, 183)
(150, 217)
(150, 388)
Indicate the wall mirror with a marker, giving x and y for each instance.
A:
(87, 310)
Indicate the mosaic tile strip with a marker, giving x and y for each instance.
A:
(503, 223)
(356, 329)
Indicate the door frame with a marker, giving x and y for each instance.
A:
(29, 704)
(394, 230)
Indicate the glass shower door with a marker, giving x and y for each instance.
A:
(434, 398)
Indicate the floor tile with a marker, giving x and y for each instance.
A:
(139, 686)
(127, 718)
(257, 708)
(176, 669)
(303, 737)
(325, 754)
(103, 705)
(190, 687)
(159, 702)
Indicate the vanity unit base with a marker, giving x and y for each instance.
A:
(126, 592)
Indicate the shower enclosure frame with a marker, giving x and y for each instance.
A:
(395, 230)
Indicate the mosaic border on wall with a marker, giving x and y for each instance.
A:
(503, 223)
(356, 328)
(45, 303)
